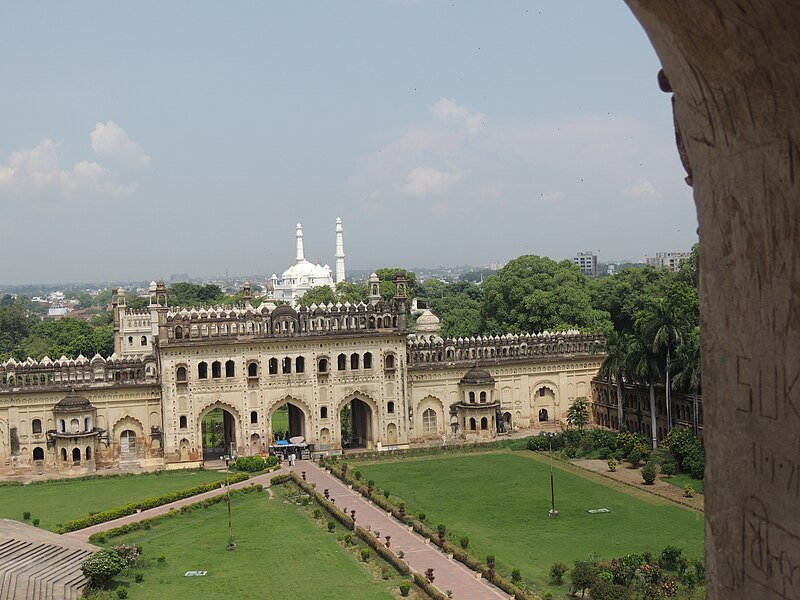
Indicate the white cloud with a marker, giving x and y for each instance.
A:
(109, 138)
(427, 181)
(447, 109)
(36, 171)
(645, 191)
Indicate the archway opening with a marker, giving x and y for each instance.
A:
(127, 444)
(76, 456)
(38, 453)
(218, 429)
(356, 424)
(288, 420)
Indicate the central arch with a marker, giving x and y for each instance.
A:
(288, 418)
(218, 425)
(357, 421)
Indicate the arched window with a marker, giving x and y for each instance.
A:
(230, 368)
(322, 366)
(36, 426)
(390, 361)
(179, 333)
(483, 396)
(484, 423)
(287, 365)
(38, 453)
(273, 366)
(130, 340)
(64, 454)
(300, 365)
(88, 453)
(252, 369)
(390, 407)
(62, 427)
(253, 417)
(144, 340)
(342, 360)
(368, 360)
(353, 361)
(127, 442)
(75, 426)
(473, 424)
(323, 412)
(543, 415)
(180, 374)
(216, 369)
(202, 370)
(87, 424)
(429, 421)
(472, 397)
(76, 456)
(542, 392)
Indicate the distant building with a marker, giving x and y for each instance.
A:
(58, 311)
(587, 262)
(178, 277)
(668, 260)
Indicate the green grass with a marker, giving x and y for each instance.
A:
(280, 553)
(681, 480)
(501, 500)
(60, 501)
(280, 419)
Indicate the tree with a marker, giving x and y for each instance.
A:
(387, 286)
(642, 366)
(578, 413)
(687, 375)
(353, 293)
(533, 293)
(101, 567)
(321, 294)
(192, 294)
(581, 577)
(613, 367)
(626, 294)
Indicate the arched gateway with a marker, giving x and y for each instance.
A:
(218, 425)
(357, 421)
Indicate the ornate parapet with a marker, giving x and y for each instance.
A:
(67, 372)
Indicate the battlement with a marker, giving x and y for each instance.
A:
(66, 372)
(431, 349)
(269, 320)
(137, 312)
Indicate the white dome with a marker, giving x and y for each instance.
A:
(307, 270)
(427, 322)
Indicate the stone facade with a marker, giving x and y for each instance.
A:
(402, 388)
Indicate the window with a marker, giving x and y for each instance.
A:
(390, 361)
(179, 333)
(144, 340)
(287, 365)
(354, 361)
(273, 366)
(230, 368)
(484, 423)
(38, 453)
(541, 392)
(88, 453)
(483, 397)
(543, 415)
(300, 365)
(62, 427)
(429, 421)
(202, 370)
(252, 369)
(76, 456)
(472, 397)
(87, 424)
(390, 407)
(342, 360)
(130, 340)
(473, 424)
(64, 454)
(368, 360)
(180, 374)
(253, 417)
(216, 369)
(75, 426)
(36, 427)
(183, 422)
(323, 412)
(322, 366)
(127, 442)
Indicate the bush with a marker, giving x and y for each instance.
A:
(127, 552)
(635, 457)
(331, 526)
(348, 538)
(26, 515)
(670, 558)
(405, 589)
(251, 464)
(102, 566)
(687, 450)
(688, 491)
(122, 592)
(582, 577)
(464, 542)
(612, 464)
(604, 453)
(516, 576)
(607, 590)
(649, 473)
(421, 516)
(386, 494)
(317, 513)
(161, 559)
(669, 468)
(138, 577)
(365, 554)
(35, 522)
(357, 475)
(557, 572)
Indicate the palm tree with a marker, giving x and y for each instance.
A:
(642, 365)
(614, 367)
(665, 325)
(687, 357)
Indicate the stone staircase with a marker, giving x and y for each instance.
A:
(40, 566)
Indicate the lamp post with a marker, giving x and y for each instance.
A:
(553, 512)
(231, 545)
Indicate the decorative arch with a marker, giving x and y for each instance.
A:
(433, 403)
(365, 426)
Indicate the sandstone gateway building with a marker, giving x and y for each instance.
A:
(144, 405)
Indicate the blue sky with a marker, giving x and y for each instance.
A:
(143, 139)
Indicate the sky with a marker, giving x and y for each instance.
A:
(143, 139)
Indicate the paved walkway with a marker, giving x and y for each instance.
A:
(448, 574)
(83, 534)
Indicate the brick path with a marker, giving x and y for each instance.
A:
(448, 574)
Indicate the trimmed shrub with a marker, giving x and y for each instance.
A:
(382, 551)
(612, 464)
(649, 473)
(557, 571)
(35, 522)
(516, 576)
(26, 515)
(365, 554)
(669, 468)
(102, 566)
(122, 592)
(251, 464)
(421, 516)
(317, 513)
(464, 542)
(688, 491)
(405, 589)
(331, 526)
(604, 453)
(670, 558)
(138, 577)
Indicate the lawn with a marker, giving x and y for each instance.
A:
(682, 480)
(501, 500)
(280, 419)
(62, 500)
(280, 553)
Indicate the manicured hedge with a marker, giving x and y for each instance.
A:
(129, 509)
(382, 551)
(146, 523)
(334, 510)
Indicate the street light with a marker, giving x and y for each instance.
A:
(553, 512)
(231, 545)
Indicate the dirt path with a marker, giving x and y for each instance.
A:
(633, 477)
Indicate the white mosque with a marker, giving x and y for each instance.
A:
(304, 275)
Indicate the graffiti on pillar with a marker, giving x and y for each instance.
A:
(762, 386)
(769, 552)
(777, 468)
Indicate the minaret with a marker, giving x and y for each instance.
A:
(339, 251)
(299, 235)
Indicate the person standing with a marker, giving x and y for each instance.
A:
(444, 440)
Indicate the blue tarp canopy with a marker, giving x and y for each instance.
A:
(281, 443)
